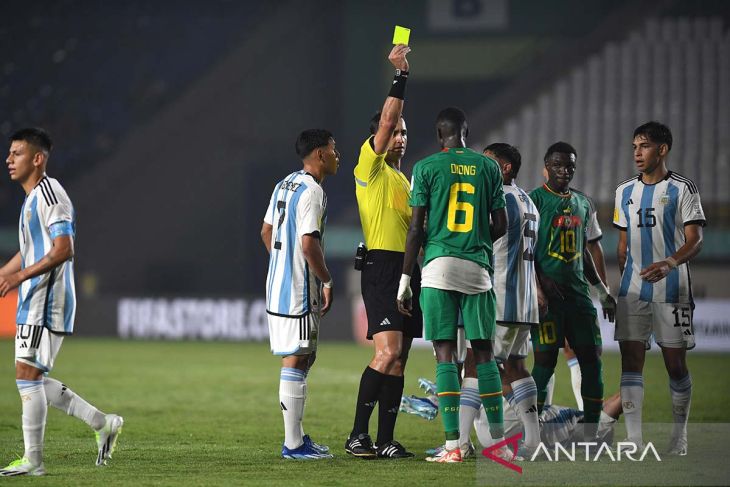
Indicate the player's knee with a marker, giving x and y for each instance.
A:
(588, 356)
(677, 370)
(25, 371)
(631, 363)
(547, 360)
(389, 356)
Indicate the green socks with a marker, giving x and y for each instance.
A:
(490, 391)
(591, 388)
(449, 392)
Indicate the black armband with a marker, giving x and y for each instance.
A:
(398, 89)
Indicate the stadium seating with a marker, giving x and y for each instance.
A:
(676, 70)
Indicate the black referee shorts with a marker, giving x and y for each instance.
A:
(379, 283)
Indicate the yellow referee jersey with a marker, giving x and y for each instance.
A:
(382, 197)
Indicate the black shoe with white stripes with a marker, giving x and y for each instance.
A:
(393, 449)
(360, 446)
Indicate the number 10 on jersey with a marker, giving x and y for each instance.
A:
(460, 207)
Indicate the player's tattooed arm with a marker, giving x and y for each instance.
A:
(692, 246)
(61, 251)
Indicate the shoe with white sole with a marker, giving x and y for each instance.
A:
(446, 456)
(22, 466)
(106, 438)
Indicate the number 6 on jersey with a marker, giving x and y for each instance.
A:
(456, 206)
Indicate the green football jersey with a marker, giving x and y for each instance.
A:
(561, 239)
(459, 188)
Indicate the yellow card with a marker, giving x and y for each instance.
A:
(401, 35)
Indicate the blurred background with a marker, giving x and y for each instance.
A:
(172, 122)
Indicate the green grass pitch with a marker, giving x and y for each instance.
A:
(208, 414)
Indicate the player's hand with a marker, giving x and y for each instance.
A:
(8, 283)
(405, 294)
(397, 56)
(328, 295)
(609, 308)
(656, 272)
(608, 303)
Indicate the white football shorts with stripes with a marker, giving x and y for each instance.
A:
(511, 340)
(670, 323)
(294, 335)
(37, 346)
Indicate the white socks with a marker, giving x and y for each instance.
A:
(469, 406)
(632, 400)
(681, 392)
(550, 390)
(575, 380)
(33, 398)
(524, 392)
(292, 395)
(605, 424)
(61, 397)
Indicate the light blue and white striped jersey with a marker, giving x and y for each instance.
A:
(49, 299)
(654, 217)
(298, 206)
(514, 260)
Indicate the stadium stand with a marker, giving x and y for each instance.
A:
(671, 69)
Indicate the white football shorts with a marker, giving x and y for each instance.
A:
(294, 336)
(35, 345)
(511, 340)
(670, 323)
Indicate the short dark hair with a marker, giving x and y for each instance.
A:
(656, 132)
(34, 136)
(375, 122)
(311, 139)
(450, 121)
(562, 147)
(508, 153)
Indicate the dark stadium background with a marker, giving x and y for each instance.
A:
(173, 120)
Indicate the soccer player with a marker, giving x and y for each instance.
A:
(43, 272)
(564, 269)
(594, 234)
(299, 285)
(382, 196)
(660, 218)
(519, 298)
(518, 302)
(459, 190)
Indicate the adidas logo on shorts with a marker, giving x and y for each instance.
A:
(386, 321)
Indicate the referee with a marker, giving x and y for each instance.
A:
(382, 196)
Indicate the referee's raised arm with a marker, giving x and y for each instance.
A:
(393, 107)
